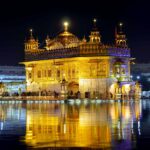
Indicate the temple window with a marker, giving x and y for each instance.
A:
(117, 70)
(29, 75)
(73, 72)
(39, 74)
(69, 73)
(91, 70)
(49, 73)
(94, 40)
(58, 73)
(44, 73)
(122, 70)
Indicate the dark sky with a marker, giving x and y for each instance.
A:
(46, 17)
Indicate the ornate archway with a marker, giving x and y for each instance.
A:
(73, 87)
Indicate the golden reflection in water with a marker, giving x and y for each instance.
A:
(91, 125)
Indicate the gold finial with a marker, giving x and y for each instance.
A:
(120, 25)
(31, 33)
(94, 23)
(47, 37)
(66, 24)
(94, 20)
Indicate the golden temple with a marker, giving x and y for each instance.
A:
(80, 68)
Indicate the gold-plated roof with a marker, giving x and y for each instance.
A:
(65, 33)
(67, 39)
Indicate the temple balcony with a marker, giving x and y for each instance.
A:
(87, 50)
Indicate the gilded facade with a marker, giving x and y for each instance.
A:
(80, 67)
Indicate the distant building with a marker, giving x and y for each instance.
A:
(12, 79)
(73, 65)
(141, 72)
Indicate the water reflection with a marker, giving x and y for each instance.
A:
(94, 125)
(85, 125)
(12, 119)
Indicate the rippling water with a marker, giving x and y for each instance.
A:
(77, 124)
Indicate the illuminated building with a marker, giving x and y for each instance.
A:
(85, 66)
(141, 72)
(12, 78)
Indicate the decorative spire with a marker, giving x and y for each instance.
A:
(95, 36)
(47, 39)
(84, 39)
(94, 21)
(31, 33)
(95, 24)
(32, 43)
(120, 27)
(116, 32)
(120, 37)
(66, 24)
(47, 36)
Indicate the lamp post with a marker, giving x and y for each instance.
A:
(64, 90)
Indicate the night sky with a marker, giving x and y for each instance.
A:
(46, 17)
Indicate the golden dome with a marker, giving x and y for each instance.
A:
(64, 40)
(67, 39)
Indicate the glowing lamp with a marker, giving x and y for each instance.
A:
(31, 30)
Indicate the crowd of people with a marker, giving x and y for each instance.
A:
(54, 93)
